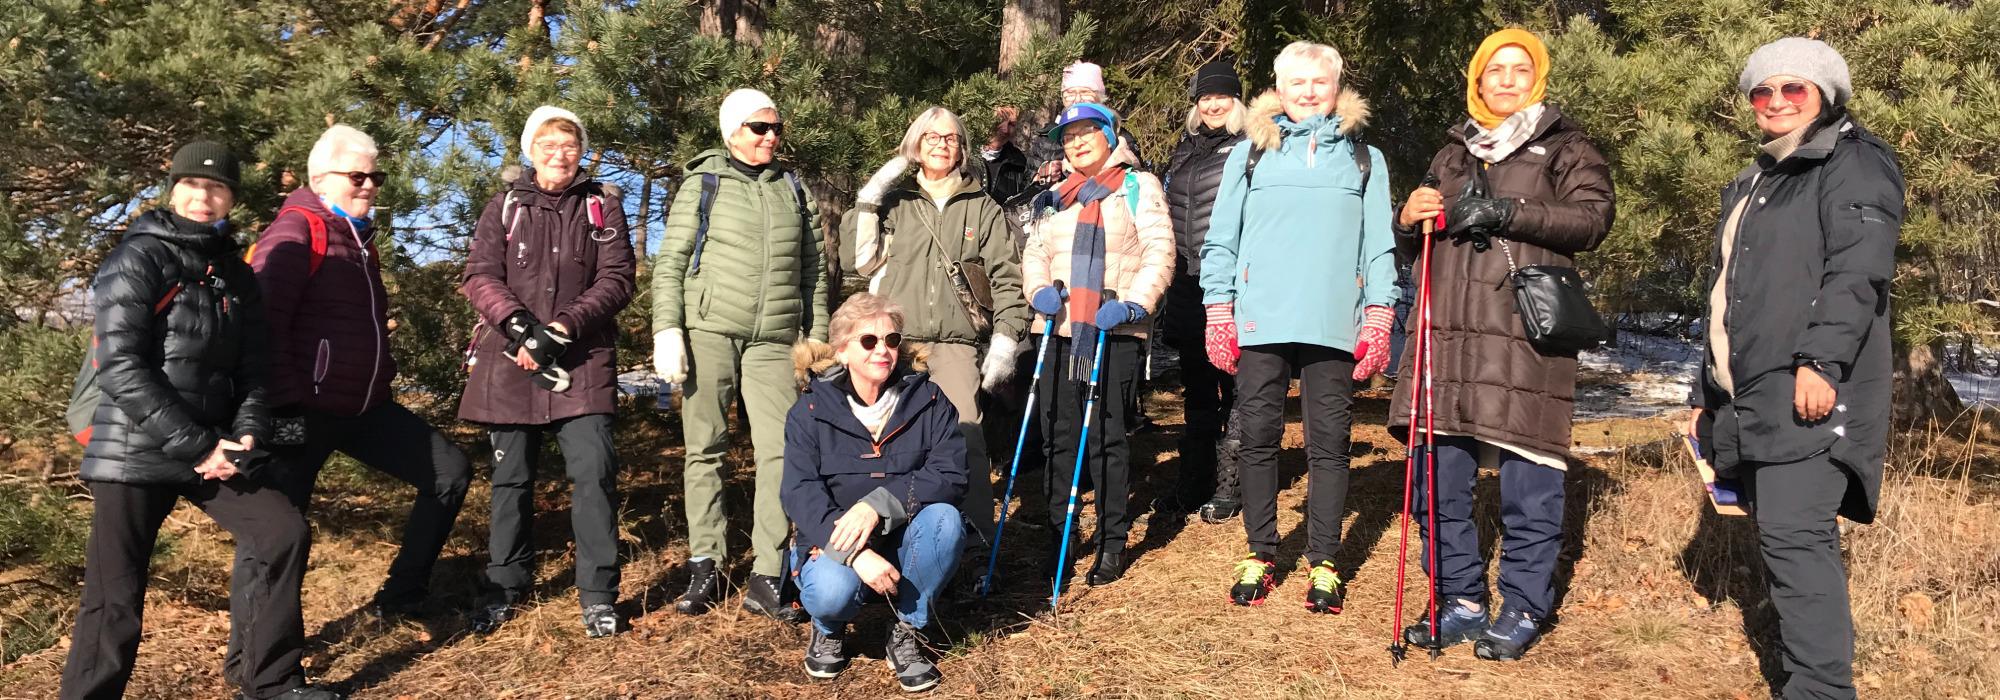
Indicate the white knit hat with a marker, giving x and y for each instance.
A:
(739, 105)
(1811, 59)
(541, 116)
(1082, 74)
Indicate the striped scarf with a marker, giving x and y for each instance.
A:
(1086, 261)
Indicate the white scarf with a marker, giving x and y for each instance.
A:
(1495, 145)
(876, 417)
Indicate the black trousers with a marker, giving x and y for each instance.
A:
(1531, 512)
(392, 440)
(1109, 461)
(592, 468)
(1209, 394)
(1263, 377)
(271, 539)
(1795, 508)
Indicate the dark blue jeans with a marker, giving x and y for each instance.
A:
(1531, 511)
(927, 555)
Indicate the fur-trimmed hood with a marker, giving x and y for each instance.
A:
(812, 358)
(1267, 109)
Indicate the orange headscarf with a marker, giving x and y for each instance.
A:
(1504, 38)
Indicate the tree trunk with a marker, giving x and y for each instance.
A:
(742, 20)
(638, 226)
(1023, 21)
(537, 9)
(1920, 393)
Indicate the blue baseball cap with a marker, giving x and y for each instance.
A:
(1087, 111)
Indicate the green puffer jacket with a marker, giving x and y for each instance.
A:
(760, 277)
(971, 227)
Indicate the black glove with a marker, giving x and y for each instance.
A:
(545, 345)
(518, 328)
(1474, 218)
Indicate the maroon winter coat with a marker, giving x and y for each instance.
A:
(560, 268)
(329, 328)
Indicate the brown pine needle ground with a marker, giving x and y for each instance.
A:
(1655, 593)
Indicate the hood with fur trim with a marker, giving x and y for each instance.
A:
(813, 358)
(1262, 126)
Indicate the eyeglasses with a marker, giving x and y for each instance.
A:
(1795, 93)
(1069, 137)
(762, 128)
(894, 340)
(360, 178)
(568, 149)
(940, 139)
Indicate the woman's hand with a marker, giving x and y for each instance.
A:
(1425, 203)
(877, 572)
(1812, 396)
(217, 465)
(1693, 421)
(851, 531)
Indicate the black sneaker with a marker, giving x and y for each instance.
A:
(1218, 510)
(599, 621)
(302, 693)
(704, 588)
(1327, 592)
(489, 617)
(1253, 580)
(765, 595)
(1510, 635)
(914, 670)
(1109, 567)
(826, 654)
(388, 606)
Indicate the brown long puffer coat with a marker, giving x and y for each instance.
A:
(1489, 382)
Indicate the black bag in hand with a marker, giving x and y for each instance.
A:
(1555, 310)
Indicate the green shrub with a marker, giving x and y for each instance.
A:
(42, 530)
(35, 380)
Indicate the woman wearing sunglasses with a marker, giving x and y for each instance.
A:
(874, 470)
(1793, 397)
(904, 231)
(1519, 184)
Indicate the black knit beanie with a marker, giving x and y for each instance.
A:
(1218, 78)
(205, 159)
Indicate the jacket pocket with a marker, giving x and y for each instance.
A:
(701, 303)
(1870, 214)
(322, 360)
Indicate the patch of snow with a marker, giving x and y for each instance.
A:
(1975, 389)
(1642, 376)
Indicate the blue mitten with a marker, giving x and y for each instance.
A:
(1048, 301)
(1117, 313)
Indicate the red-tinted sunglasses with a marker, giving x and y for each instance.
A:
(1795, 93)
(894, 340)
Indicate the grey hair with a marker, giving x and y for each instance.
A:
(1238, 114)
(858, 308)
(912, 147)
(1299, 52)
(336, 140)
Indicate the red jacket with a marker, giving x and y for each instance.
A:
(329, 327)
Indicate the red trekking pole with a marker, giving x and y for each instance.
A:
(1421, 426)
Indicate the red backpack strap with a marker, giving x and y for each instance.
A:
(596, 212)
(317, 228)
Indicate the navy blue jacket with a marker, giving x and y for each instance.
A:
(831, 462)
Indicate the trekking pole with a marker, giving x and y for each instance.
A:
(1430, 457)
(1027, 414)
(1419, 400)
(1082, 445)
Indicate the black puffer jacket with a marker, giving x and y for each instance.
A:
(1194, 174)
(176, 376)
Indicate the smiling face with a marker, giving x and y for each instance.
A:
(338, 187)
(1307, 90)
(751, 147)
(1507, 79)
(1214, 109)
(939, 148)
(1784, 104)
(870, 366)
(556, 152)
(201, 199)
(1084, 147)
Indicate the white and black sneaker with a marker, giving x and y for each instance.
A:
(704, 588)
(914, 670)
(826, 654)
(599, 621)
(489, 617)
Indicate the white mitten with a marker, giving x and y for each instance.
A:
(670, 359)
(999, 364)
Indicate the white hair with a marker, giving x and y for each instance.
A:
(1238, 114)
(337, 140)
(1300, 52)
(913, 138)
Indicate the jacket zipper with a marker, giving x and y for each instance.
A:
(886, 437)
(374, 317)
(757, 326)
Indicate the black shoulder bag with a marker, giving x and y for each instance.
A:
(1555, 310)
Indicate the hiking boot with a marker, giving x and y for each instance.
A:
(386, 607)
(302, 693)
(1459, 620)
(765, 595)
(489, 617)
(704, 588)
(599, 621)
(826, 654)
(1327, 591)
(914, 670)
(1508, 637)
(1109, 567)
(1253, 580)
(1219, 510)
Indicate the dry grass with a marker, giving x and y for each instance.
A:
(1661, 599)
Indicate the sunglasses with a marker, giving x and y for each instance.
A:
(1795, 93)
(762, 128)
(893, 340)
(360, 178)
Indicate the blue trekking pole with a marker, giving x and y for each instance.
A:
(1082, 451)
(1027, 414)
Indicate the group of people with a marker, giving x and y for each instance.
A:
(1266, 249)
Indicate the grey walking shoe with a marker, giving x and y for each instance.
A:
(914, 670)
(599, 621)
(826, 654)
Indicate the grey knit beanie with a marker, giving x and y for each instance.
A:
(1811, 59)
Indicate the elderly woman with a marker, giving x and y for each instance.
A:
(1527, 188)
(179, 351)
(910, 237)
(550, 267)
(874, 470)
(1103, 230)
(1794, 395)
(1194, 175)
(1306, 210)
